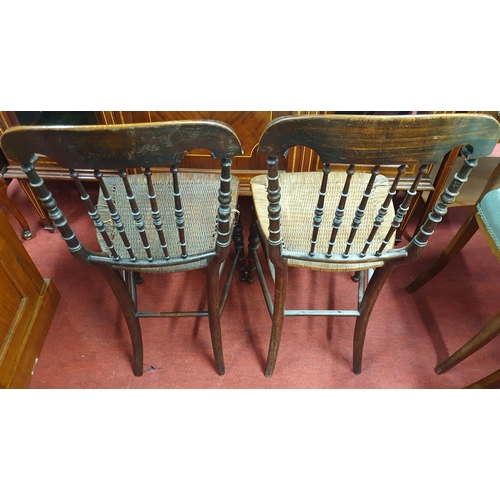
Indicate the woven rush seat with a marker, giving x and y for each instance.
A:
(154, 215)
(296, 221)
(198, 192)
(347, 221)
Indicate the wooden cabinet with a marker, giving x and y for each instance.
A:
(27, 305)
(248, 125)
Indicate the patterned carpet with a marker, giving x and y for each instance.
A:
(88, 344)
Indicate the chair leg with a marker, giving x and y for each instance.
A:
(119, 288)
(487, 334)
(370, 296)
(464, 234)
(214, 313)
(485, 382)
(239, 246)
(9, 204)
(253, 245)
(281, 282)
(356, 276)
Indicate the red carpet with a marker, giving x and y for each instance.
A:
(88, 344)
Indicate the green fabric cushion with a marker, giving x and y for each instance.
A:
(489, 211)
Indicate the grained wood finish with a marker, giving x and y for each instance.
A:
(8, 203)
(120, 146)
(27, 306)
(303, 159)
(392, 141)
(143, 147)
(486, 382)
(248, 126)
(381, 140)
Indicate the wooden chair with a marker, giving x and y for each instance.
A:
(486, 218)
(157, 220)
(344, 220)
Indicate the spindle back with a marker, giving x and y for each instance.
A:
(345, 142)
(140, 217)
(342, 219)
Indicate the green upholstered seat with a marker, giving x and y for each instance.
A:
(489, 211)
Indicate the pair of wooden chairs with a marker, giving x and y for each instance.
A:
(161, 219)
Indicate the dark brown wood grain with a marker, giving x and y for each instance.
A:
(8, 203)
(143, 148)
(120, 146)
(394, 141)
(27, 305)
(384, 140)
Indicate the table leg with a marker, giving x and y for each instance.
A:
(10, 205)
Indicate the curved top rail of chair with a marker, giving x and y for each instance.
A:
(120, 146)
(386, 140)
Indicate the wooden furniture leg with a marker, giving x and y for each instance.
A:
(10, 205)
(485, 382)
(487, 334)
(122, 294)
(281, 284)
(44, 216)
(253, 246)
(465, 233)
(239, 247)
(214, 313)
(373, 289)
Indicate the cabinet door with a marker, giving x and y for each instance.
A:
(27, 306)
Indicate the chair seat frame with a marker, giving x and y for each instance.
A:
(384, 140)
(137, 147)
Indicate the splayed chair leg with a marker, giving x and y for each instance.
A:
(119, 288)
(278, 316)
(253, 245)
(370, 297)
(214, 313)
(485, 382)
(9, 204)
(239, 246)
(356, 276)
(487, 334)
(464, 234)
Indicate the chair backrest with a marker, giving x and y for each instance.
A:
(136, 148)
(375, 141)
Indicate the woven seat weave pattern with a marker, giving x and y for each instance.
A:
(299, 196)
(199, 198)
